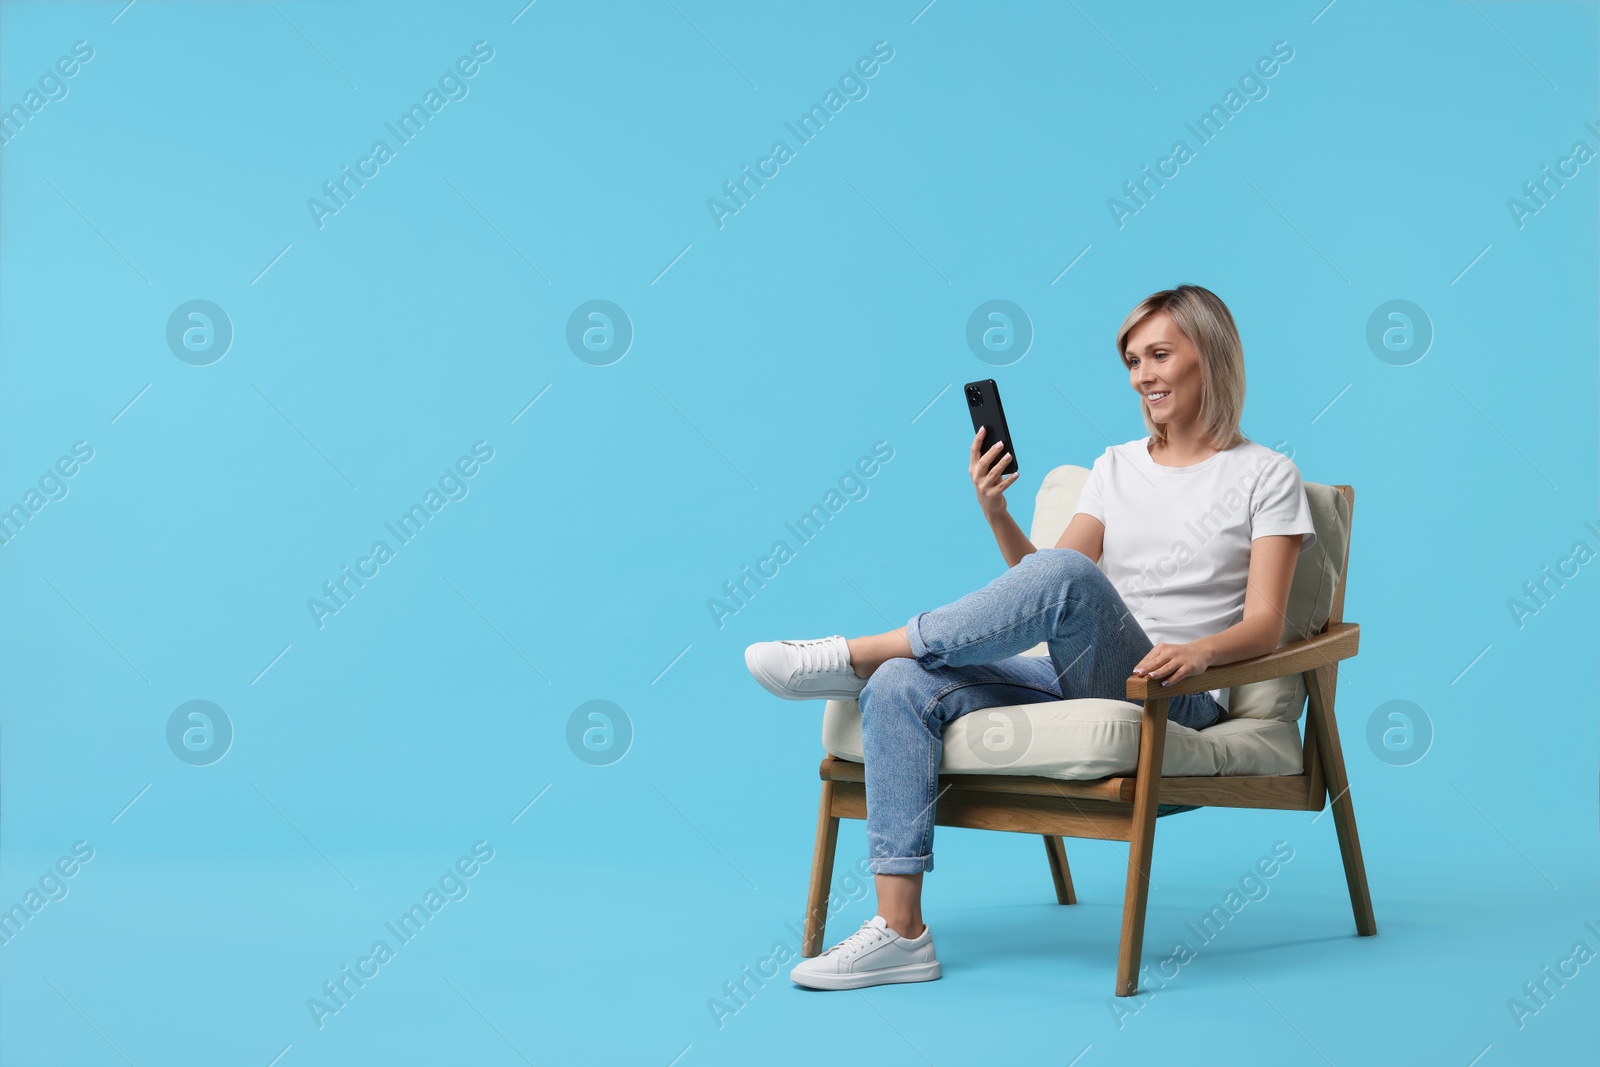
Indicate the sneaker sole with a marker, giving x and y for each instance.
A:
(778, 689)
(907, 972)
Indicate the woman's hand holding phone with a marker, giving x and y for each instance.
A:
(985, 468)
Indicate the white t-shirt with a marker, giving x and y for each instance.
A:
(1177, 541)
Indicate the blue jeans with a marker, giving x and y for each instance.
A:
(967, 658)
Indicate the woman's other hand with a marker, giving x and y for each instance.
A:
(985, 468)
(1169, 663)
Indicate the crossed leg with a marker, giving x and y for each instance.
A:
(965, 656)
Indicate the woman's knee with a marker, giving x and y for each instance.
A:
(1064, 564)
(897, 675)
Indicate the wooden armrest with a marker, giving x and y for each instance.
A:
(1339, 642)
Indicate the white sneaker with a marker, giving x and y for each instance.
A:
(873, 955)
(816, 669)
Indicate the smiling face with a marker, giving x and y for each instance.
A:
(1164, 369)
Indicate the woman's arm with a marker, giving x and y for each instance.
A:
(1014, 544)
(1084, 533)
(1266, 597)
(991, 485)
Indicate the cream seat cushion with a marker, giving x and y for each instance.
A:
(1086, 739)
(1096, 738)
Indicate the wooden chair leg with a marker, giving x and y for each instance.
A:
(1060, 873)
(821, 875)
(1152, 742)
(1319, 691)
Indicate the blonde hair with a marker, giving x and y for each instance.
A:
(1206, 321)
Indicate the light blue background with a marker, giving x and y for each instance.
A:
(774, 352)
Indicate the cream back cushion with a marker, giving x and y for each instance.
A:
(1316, 576)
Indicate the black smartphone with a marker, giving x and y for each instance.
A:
(983, 400)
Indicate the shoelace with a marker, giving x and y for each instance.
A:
(863, 938)
(821, 654)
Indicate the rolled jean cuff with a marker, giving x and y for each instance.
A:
(925, 659)
(900, 864)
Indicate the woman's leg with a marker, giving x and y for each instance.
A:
(964, 657)
(904, 711)
(1055, 595)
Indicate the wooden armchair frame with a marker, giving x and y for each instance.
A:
(1125, 808)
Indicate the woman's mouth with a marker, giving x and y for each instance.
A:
(1157, 397)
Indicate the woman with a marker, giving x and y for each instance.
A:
(1178, 558)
